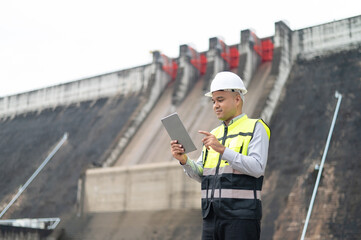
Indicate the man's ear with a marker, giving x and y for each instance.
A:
(239, 99)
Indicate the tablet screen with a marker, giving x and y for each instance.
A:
(177, 131)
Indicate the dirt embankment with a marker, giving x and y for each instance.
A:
(300, 128)
(26, 140)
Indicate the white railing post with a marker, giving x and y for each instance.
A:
(339, 96)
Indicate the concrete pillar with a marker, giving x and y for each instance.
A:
(156, 80)
(215, 62)
(249, 60)
(187, 74)
(281, 66)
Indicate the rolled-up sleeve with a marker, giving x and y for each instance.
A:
(194, 169)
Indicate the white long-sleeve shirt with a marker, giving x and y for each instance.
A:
(253, 164)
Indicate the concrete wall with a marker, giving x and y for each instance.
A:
(307, 43)
(156, 186)
(116, 83)
(326, 38)
(22, 233)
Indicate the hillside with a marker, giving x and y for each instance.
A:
(300, 127)
(27, 139)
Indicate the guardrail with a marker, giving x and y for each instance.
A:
(339, 96)
(40, 223)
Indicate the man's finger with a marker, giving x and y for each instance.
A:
(205, 133)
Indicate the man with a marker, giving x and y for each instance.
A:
(231, 166)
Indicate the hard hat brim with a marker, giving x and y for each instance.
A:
(209, 94)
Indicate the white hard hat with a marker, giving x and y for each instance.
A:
(227, 81)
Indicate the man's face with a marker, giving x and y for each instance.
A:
(225, 105)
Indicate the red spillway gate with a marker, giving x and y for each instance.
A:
(267, 50)
(170, 66)
(264, 49)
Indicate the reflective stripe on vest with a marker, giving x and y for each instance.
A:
(233, 193)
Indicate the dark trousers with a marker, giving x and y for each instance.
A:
(215, 228)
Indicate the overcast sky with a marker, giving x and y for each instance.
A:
(45, 42)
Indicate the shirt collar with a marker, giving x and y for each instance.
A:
(234, 119)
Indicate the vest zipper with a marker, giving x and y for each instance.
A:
(218, 164)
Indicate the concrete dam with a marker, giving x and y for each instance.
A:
(114, 177)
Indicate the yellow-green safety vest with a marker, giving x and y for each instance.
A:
(232, 194)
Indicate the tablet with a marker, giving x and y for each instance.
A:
(177, 131)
